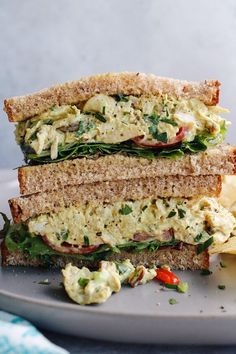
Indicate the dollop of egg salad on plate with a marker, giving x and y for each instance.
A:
(86, 287)
(144, 126)
(95, 232)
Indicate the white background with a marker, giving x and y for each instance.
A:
(43, 42)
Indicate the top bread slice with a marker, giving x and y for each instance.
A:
(23, 107)
(219, 160)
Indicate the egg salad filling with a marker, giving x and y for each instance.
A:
(86, 287)
(127, 124)
(79, 228)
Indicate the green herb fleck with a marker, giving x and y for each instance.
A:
(181, 213)
(100, 117)
(83, 282)
(206, 272)
(198, 237)
(90, 126)
(203, 246)
(119, 97)
(173, 301)
(168, 121)
(171, 214)
(221, 287)
(62, 235)
(34, 135)
(125, 210)
(144, 208)
(81, 130)
(86, 241)
(103, 110)
(223, 265)
(47, 121)
(156, 135)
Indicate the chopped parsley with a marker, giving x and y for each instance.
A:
(83, 282)
(125, 210)
(81, 130)
(169, 121)
(48, 121)
(171, 214)
(173, 301)
(198, 237)
(34, 135)
(120, 97)
(144, 208)
(100, 117)
(86, 241)
(103, 110)
(62, 235)
(221, 287)
(203, 246)
(181, 213)
(156, 135)
(90, 126)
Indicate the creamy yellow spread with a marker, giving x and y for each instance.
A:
(86, 287)
(192, 221)
(105, 119)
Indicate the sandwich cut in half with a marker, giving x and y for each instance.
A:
(132, 114)
(151, 221)
(121, 166)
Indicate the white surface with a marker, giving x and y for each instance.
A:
(45, 42)
(140, 315)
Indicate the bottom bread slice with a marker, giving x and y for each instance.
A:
(184, 257)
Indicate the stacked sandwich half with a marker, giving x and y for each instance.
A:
(120, 166)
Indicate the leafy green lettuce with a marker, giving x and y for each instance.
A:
(17, 237)
(69, 151)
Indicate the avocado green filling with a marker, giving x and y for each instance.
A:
(73, 150)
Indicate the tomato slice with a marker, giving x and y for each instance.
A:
(142, 141)
(166, 277)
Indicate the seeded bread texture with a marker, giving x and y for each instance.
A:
(184, 258)
(22, 107)
(25, 207)
(215, 161)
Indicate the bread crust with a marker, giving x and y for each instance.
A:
(215, 161)
(129, 83)
(23, 208)
(185, 258)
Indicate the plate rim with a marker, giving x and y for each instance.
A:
(92, 309)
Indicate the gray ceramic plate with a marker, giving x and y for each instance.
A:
(206, 315)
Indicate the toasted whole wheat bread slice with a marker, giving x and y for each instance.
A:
(185, 258)
(128, 83)
(25, 207)
(216, 161)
